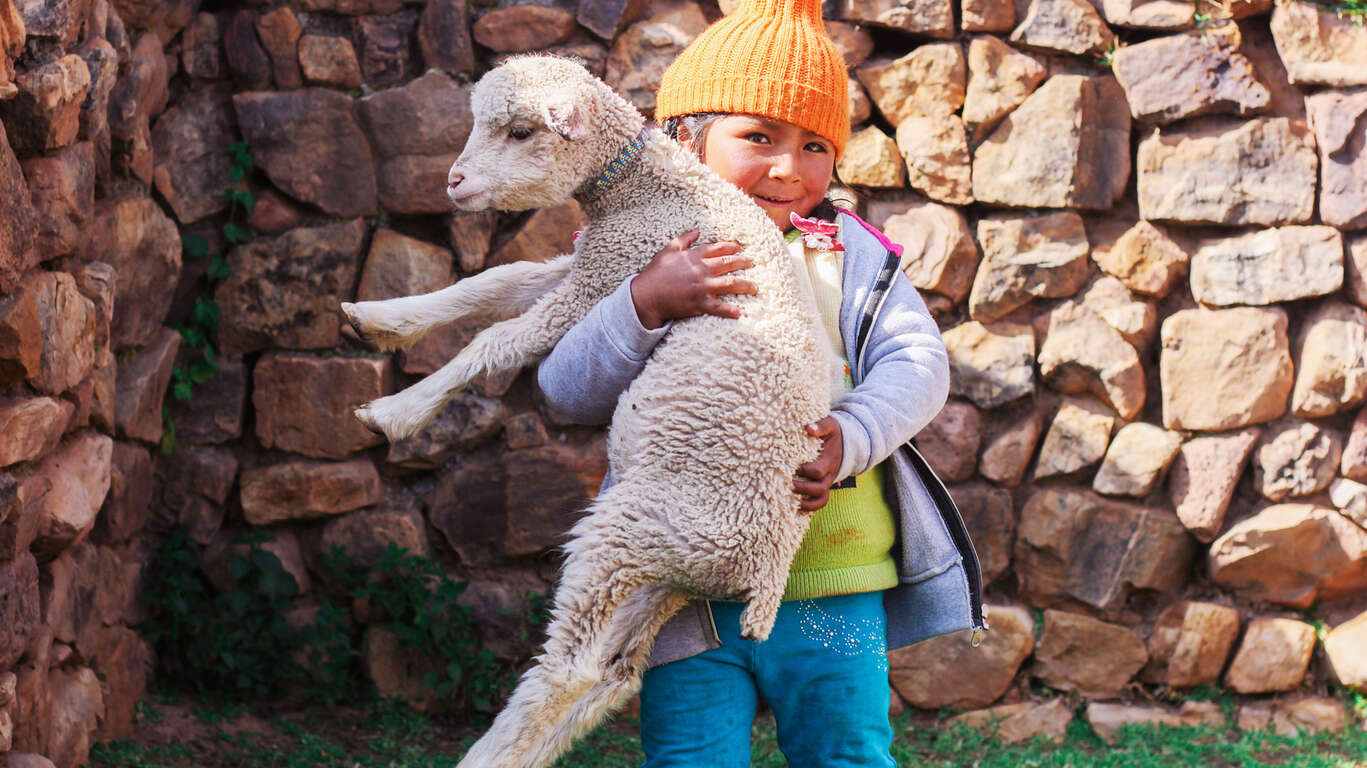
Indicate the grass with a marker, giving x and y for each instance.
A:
(384, 734)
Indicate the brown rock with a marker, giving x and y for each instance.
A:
(525, 430)
(546, 490)
(991, 364)
(325, 60)
(1068, 26)
(1331, 361)
(45, 113)
(547, 234)
(59, 21)
(1075, 545)
(79, 476)
(140, 94)
(1076, 439)
(19, 224)
(1107, 719)
(142, 386)
(30, 427)
(248, 61)
(1080, 653)
(606, 18)
(274, 213)
(280, 542)
(286, 291)
(999, 79)
(304, 403)
(1204, 476)
(467, 505)
(1268, 266)
(12, 35)
(1290, 554)
(1020, 722)
(77, 706)
(936, 153)
(352, 7)
(860, 106)
(641, 53)
(62, 185)
(125, 663)
(1344, 647)
(192, 141)
(1354, 464)
(1151, 14)
(363, 535)
(1081, 352)
(1260, 48)
(1134, 318)
(309, 144)
(1295, 458)
(1190, 643)
(1272, 656)
(96, 281)
(1009, 442)
(854, 41)
(1336, 117)
(1292, 719)
(466, 421)
(1224, 369)
(1136, 460)
(1184, 173)
(1319, 46)
(950, 441)
(1026, 258)
(428, 116)
(279, 32)
(939, 252)
(130, 492)
(141, 243)
(47, 333)
(104, 381)
(199, 48)
(870, 160)
(991, 519)
(384, 49)
(524, 27)
(396, 672)
(300, 490)
(1146, 259)
(215, 413)
(933, 18)
(987, 15)
(929, 81)
(947, 671)
(1171, 78)
(1067, 145)
(415, 183)
(194, 483)
(19, 606)
(398, 265)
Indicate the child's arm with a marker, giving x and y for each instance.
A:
(905, 385)
(598, 358)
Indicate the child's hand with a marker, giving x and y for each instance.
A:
(820, 473)
(683, 281)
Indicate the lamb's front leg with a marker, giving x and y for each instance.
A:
(507, 345)
(508, 288)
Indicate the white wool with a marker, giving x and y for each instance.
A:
(705, 442)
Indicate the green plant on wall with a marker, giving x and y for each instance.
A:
(199, 331)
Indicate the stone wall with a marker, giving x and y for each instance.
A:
(1140, 225)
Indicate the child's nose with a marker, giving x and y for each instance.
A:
(783, 167)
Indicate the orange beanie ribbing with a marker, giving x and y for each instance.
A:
(770, 58)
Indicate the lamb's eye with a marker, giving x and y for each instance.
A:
(519, 132)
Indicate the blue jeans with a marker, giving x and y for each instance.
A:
(823, 672)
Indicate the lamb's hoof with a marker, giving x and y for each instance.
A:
(353, 318)
(364, 416)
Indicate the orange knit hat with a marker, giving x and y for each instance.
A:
(770, 58)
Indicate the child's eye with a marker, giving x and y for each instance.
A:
(757, 138)
(816, 146)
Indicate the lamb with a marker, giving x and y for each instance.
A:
(705, 442)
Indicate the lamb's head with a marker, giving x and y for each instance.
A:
(543, 128)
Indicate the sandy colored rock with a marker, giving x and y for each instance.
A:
(871, 160)
(1346, 648)
(1354, 462)
(947, 671)
(1295, 458)
(77, 707)
(1067, 145)
(134, 236)
(304, 403)
(990, 516)
(853, 40)
(30, 427)
(1224, 369)
(1337, 118)
(1067, 26)
(1151, 14)
(1077, 439)
(1350, 498)
(141, 388)
(47, 333)
(1077, 546)
(935, 150)
(1027, 257)
(1172, 78)
(1009, 442)
(929, 81)
(1290, 554)
(325, 60)
(1272, 656)
(1319, 46)
(1204, 476)
(1136, 460)
(1135, 318)
(1022, 721)
(398, 265)
(1080, 653)
(1291, 719)
(1185, 172)
(79, 473)
(1331, 361)
(279, 32)
(1107, 719)
(991, 364)
(1268, 266)
(999, 80)
(20, 224)
(860, 106)
(466, 421)
(939, 252)
(523, 27)
(950, 441)
(1146, 259)
(1081, 352)
(1190, 643)
(45, 112)
(1355, 270)
(298, 490)
(934, 18)
(987, 15)
(642, 52)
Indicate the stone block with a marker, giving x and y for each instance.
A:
(45, 113)
(301, 490)
(427, 116)
(1027, 257)
(1354, 462)
(47, 333)
(947, 671)
(524, 27)
(950, 441)
(415, 184)
(19, 226)
(547, 488)
(1021, 721)
(991, 519)
(279, 32)
(1337, 118)
(130, 493)
(1077, 438)
(78, 474)
(1204, 476)
(199, 52)
(19, 607)
(1346, 648)
(929, 81)
(1146, 259)
(30, 427)
(304, 403)
(939, 253)
(1320, 46)
(870, 159)
(1290, 555)
(141, 388)
(1331, 355)
(548, 233)
(1224, 369)
(1009, 442)
(933, 18)
(1181, 76)
(643, 50)
(1066, 26)
(1268, 266)
(987, 15)
(384, 50)
(935, 150)
(326, 60)
(192, 141)
(1272, 656)
(214, 415)
(1295, 458)
(1151, 14)
(365, 534)
(1081, 352)
(991, 364)
(143, 246)
(1190, 643)
(1136, 460)
(1093, 657)
(62, 185)
(1000, 78)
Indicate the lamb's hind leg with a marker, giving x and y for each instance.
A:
(506, 289)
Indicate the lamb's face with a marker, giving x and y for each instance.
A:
(531, 143)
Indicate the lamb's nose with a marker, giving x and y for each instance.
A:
(454, 179)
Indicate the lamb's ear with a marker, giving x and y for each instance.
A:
(566, 117)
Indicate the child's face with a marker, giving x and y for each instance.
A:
(784, 168)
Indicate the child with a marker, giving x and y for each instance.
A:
(761, 97)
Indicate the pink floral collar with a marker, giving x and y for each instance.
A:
(817, 233)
